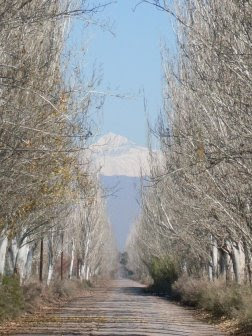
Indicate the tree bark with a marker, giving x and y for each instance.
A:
(3, 249)
(72, 261)
(61, 257)
(50, 259)
(41, 260)
(78, 268)
(248, 261)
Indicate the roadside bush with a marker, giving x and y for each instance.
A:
(189, 290)
(32, 291)
(244, 315)
(220, 299)
(15, 299)
(11, 298)
(68, 288)
(164, 272)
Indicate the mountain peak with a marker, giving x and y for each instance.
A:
(112, 140)
(115, 155)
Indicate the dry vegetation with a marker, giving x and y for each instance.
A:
(32, 297)
(53, 224)
(231, 302)
(196, 210)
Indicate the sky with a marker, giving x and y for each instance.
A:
(130, 63)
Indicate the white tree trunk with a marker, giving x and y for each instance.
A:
(50, 260)
(82, 271)
(50, 273)
(85, 261)
(28, 264)
(184, 267)
(238, 259)
(21, 260)
(87, 273)
(214, 258)
(248, 261)
(229, 271)
(210, 272)
(11, 256)
(3, 249)
(72, 260)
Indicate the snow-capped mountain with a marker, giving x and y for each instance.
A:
(115, 155)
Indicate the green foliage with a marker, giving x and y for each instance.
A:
(11, 298)
(164, 272)
(124, 258)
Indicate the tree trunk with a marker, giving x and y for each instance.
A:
(11, 257)
(50, 259)
(248, 261)
(238, 260)
(41, 260)
(214, 259)
(22, 255)
(78, 268)
(87, 273)
(72, 260)
(3, 249)
(210, 272)
(61, 257)
(28, 264)
(50, 274)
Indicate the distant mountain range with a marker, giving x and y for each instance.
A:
(121, 164)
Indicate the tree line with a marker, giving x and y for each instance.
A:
(196, 208)
(53, 221)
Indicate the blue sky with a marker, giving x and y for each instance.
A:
(130, 63)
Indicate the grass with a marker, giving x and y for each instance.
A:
(12, 301)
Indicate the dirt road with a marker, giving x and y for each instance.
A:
(122, 309)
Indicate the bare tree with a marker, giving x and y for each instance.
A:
(201, 198)
(44, 127)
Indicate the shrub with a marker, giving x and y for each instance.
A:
(188, 290)
(32, 291)
(244, 315)
(220, 299)
(15, 299)
(68, 288)
(164, 272)
(11, 297)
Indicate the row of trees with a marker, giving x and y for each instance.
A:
(51, 204)
(197, 206)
